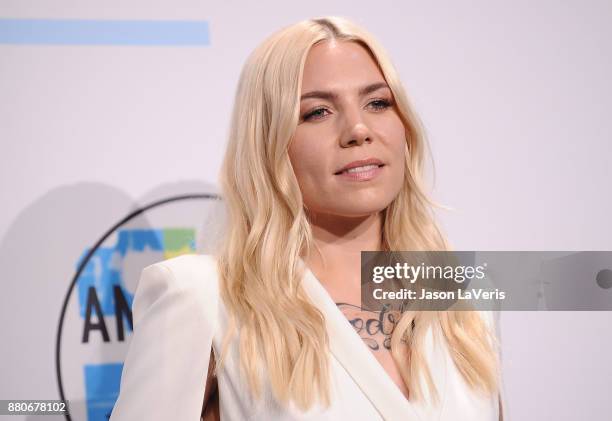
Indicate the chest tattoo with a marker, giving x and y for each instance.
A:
(374, 327)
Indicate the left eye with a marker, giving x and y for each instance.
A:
(380, 104)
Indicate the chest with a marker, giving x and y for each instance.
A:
(361, 390)
(375, 330)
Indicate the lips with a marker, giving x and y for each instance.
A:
(360, 165)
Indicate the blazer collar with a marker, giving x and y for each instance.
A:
(354, 355)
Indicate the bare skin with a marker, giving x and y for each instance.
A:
(346, 214)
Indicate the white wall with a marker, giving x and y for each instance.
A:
(515, 97)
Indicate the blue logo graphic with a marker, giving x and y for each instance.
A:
(102, 292)
(104, 32)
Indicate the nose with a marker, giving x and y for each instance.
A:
(356, 131)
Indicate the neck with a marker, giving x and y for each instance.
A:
(335, 258)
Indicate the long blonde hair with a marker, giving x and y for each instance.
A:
(280, 331)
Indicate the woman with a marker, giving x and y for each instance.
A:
(324, 160)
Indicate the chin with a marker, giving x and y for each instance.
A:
(366, 203)
(359, 210)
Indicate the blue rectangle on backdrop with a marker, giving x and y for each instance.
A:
(103, 32)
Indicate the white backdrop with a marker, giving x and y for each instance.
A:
(515, 97)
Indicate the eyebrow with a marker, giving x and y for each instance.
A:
(332, 95)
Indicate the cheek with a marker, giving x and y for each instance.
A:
(398, 146)
(307, 160)
(311, 162)
(395, 135)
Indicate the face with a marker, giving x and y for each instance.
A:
(349, 147)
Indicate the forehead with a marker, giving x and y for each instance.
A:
(339, 65)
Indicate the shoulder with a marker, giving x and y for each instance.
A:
(490, 319)
(189, 270)
(487, 317)
(185, 279)
(175, 320)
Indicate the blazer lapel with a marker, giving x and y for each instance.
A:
(350, 350)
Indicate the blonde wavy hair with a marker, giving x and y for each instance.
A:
(280, 331)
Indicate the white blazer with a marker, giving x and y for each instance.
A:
(178, 316)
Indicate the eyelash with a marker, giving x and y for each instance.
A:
(384, 104)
